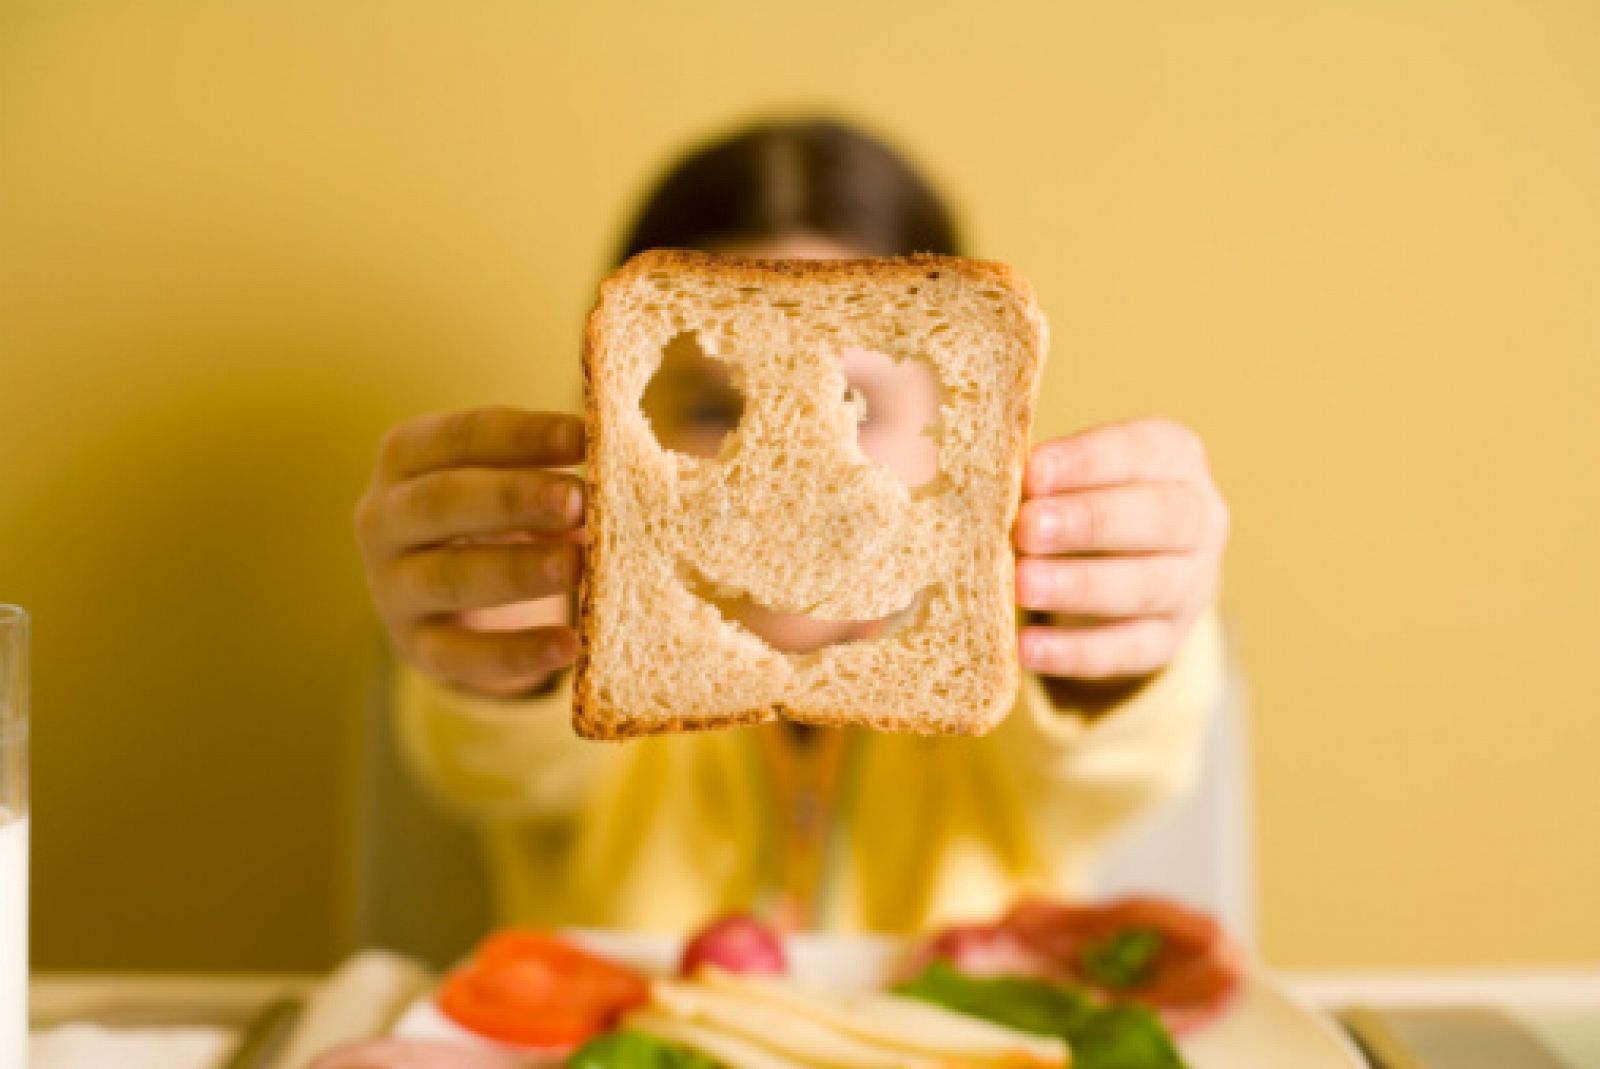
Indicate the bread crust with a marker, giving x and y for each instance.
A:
(756, 271)
(593, 717)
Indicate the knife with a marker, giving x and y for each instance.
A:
(1447, 1038)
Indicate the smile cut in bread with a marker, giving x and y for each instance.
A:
(791, 516)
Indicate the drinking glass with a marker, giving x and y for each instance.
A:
(13, 836)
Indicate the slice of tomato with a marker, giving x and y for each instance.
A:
(534, 990)
(598, 979)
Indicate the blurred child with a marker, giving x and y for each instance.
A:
(471, 537)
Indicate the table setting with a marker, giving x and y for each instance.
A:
(1304, 1019)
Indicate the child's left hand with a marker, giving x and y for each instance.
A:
(1120, 539)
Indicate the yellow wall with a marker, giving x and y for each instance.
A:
(1356, 244)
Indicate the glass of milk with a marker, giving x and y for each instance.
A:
(13, 836)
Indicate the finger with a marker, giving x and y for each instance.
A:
(493, 662)
(1105, 586)
(477, 501)
(1125, 648)
(455, 578)
(481, 438)
(1137, 451)
(1139, 518)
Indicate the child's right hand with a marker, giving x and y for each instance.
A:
(462, 513)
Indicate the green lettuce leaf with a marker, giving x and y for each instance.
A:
(1114, 1036)
(1122, 960)
(626, 1049)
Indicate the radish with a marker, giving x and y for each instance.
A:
(738, 943)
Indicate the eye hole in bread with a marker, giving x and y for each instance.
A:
(693, 402)
(897, 413)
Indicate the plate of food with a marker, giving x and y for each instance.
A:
(1138, 983)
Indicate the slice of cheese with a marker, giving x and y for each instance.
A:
(904, 1024)
(727, 1049)
(784, 1029)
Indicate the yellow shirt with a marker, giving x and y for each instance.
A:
(663, 833)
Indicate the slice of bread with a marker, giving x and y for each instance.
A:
(791, 515)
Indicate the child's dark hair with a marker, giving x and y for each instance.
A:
(774, 179)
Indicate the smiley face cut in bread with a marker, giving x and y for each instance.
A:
(791, 515)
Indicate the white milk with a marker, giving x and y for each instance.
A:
(13, 940)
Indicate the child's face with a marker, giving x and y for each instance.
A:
(693, 406)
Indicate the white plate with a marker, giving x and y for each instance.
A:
(1265, 1028)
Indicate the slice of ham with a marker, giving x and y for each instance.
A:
(983, 950)
(415, 1054)
(1196, 972)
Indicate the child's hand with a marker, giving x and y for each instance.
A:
(1121, 533)
(461, 515)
